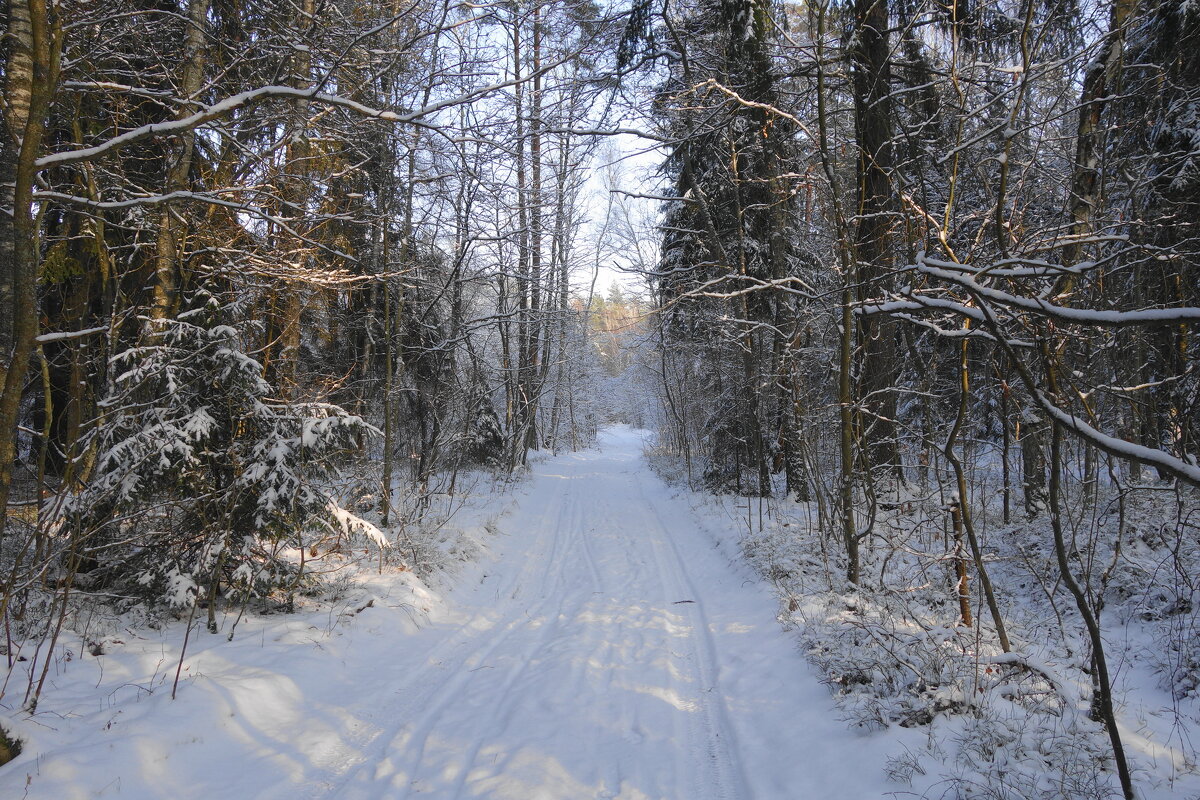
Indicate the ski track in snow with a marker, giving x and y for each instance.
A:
(609, 652)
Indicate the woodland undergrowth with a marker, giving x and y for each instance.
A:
(895, 654)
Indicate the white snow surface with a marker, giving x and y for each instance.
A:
(604, 648)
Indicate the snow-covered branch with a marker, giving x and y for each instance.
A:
(953, 273)
(254, 96)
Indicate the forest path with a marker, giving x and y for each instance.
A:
(609, 652)
(604, 649)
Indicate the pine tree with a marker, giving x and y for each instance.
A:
(203, 480)
(727, 231)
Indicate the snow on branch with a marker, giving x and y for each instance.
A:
(959, 333)
(59, 336)
(914, 302)
(1184, 470)
(254, 96)
(765, 107)
(281, 222)
(790, 285)
(949, 271)
(351, 525)
(638, 132)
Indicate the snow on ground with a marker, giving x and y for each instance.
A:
(604, 648)
(963, 720)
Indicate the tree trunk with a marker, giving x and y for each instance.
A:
(1033, 463)
(165, 299)
(872, 236)
(1103, 686)
(32, 78)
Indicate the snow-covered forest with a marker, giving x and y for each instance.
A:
(559, 399)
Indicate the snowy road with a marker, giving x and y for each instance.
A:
(608, 650)
(611, 653)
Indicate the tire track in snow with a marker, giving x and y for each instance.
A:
(586, 603)
(437, 682)
(444, 663)
(567, 527)
(729, 778)
(518, 618)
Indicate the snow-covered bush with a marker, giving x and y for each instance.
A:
(888, 668)
(203, 482)
(1018, 756)
(1018, 725)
